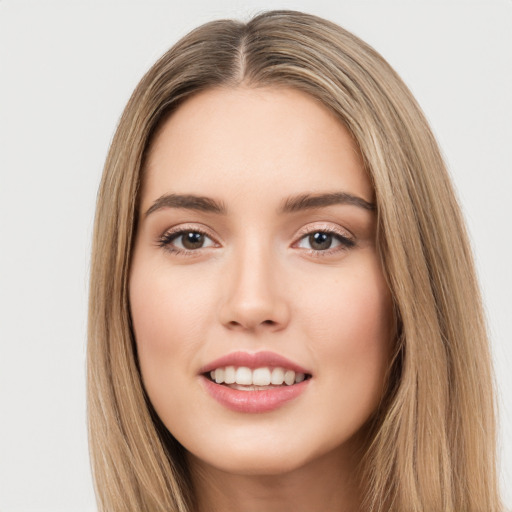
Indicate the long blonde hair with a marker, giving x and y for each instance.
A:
(432, 442)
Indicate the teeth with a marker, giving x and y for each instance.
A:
(277, 376)
(243, 375)
(219, 375)
(229, 375)
(261, 377)
(289, 377)
(265, 376)
(299, 377)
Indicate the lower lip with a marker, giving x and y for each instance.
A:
(254, 401)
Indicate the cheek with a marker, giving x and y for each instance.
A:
(353, 311)
(351, 328)
(167, 305)
(168, 316)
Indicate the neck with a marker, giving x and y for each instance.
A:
(329, 483)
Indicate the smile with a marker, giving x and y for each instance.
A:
(254, 383)
(245, 379)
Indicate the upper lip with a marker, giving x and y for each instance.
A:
(254, 360)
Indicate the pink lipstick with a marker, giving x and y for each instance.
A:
(254, 383)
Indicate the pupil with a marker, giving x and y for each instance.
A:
(192, 240)
(320, 241)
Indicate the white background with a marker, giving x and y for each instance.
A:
(66, 71)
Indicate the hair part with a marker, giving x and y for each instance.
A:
(432, 442)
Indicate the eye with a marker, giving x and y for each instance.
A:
(324, 240)
(186, 240)
(319, 241)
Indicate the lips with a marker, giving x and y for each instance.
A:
(251, 383)
(253, 361)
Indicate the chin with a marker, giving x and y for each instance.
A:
(253, 463)
(260, 454)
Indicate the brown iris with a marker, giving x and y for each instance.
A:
(320, 241)
(192, 240)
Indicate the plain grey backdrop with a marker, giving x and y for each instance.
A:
(67, 69)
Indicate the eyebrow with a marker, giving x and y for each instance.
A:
(187, 202)
(292, 204)
(311, 201)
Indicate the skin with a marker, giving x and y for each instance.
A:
(258, 284)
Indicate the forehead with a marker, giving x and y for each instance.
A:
(256, 142)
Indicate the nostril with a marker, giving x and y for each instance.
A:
(234, 323)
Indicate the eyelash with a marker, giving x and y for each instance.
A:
(345, 243)
(165, 241)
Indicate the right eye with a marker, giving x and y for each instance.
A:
(186, 240)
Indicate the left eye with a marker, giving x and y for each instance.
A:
(323, 240)
(188, 240)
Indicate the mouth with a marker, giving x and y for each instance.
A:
(243, 378)
(254, 383)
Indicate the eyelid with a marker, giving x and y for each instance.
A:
(325, 227)
(346, 239)
(183, 228)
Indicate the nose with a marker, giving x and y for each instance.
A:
(254, 295)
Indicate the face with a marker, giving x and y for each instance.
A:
(261, 314)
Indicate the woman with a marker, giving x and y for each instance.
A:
(284, 312)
